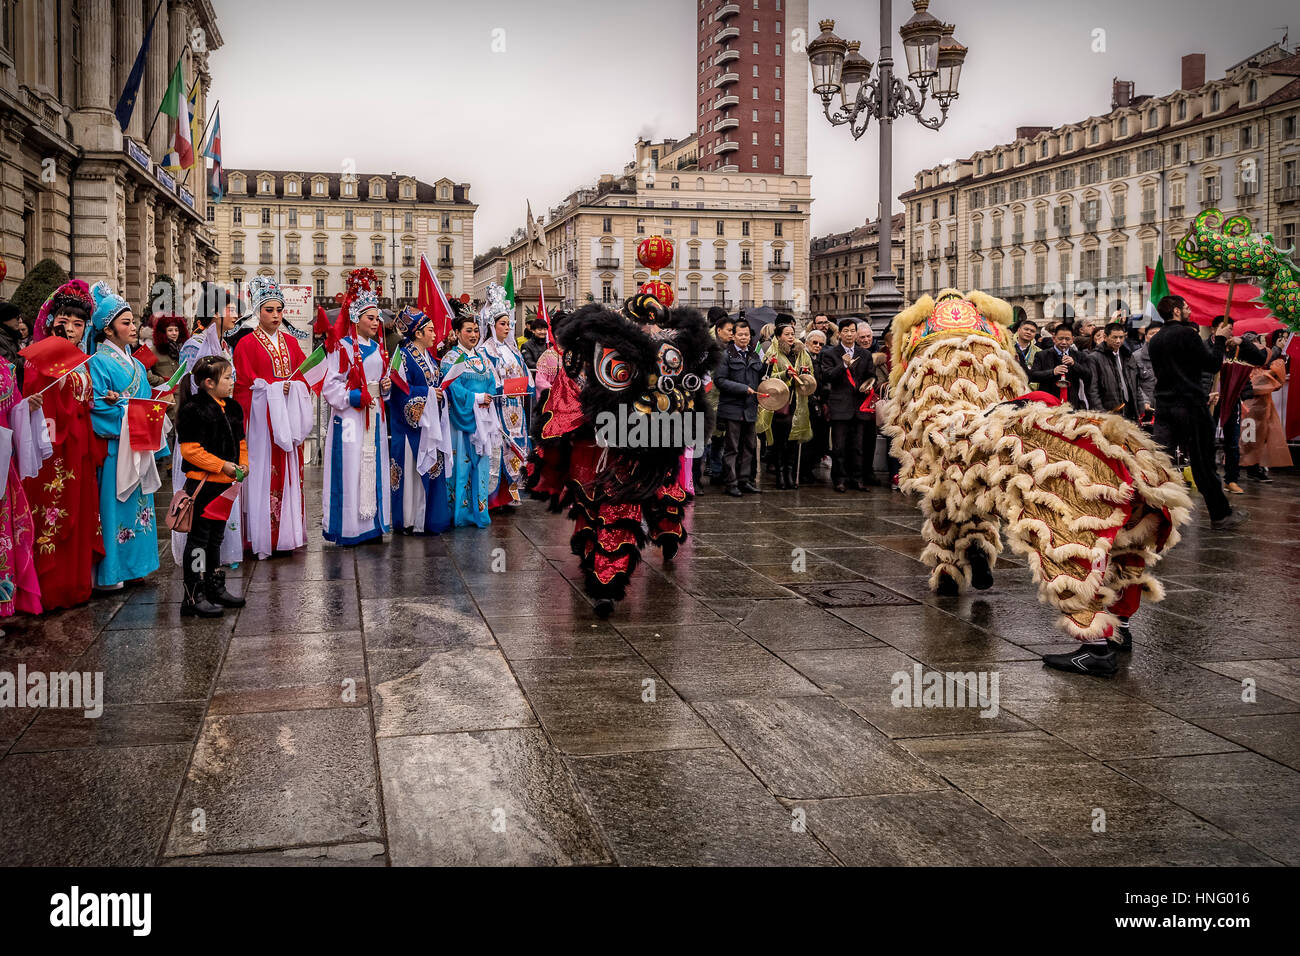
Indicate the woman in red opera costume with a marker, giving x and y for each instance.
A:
(64, 496)
(265, 361)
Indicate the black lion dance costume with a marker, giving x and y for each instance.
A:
(1087, 497)
(618, 418)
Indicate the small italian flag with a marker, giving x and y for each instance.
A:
(395, 372)
(312, 370)
(1159, 289)
(169, 386)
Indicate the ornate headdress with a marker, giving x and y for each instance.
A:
(361, 294)
(108, 305)
(362, 300)
(72, 292)
(494, 307)
(261, 290)
(409, 322)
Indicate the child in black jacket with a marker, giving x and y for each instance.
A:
(210, 433)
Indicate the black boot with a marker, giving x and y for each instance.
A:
(981, 578)
(1123, 637)
(604, 608)
(196, 603)
(214, 587)
(790, 481)
(1098, 660)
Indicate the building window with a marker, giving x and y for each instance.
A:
(640, 227)
(778, 49)
(695, 227)
(607, 224)
(1252, 91)
(756, 70)
(291, 187)
(320, 249)
(1123, 126)
(721, 228)
(755, 135)
(320, 288)
(755, 26)
(755, 47)
(606, 292)
(408, 290)
(320, 218)
(744, 228)
(778, 116)
(777, 93)
(445, 223)
(212, 213)
(753, 160)
(1214, 102)
(777, 228)
(347, 219)
(776, 162)
(1153, 117)
(293, 217)
(409, 222)
(237, 215)
(1069, 141)
(1182, 109)
(318, 188)
(755, 96)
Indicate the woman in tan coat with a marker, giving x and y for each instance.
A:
(1263, 438)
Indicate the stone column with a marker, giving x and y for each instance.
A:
(199, 176)
(138, 200)
(156, 74)
(12, 237)
(93, 126)
(96, 227)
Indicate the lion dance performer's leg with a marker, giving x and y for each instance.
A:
(1093, 504)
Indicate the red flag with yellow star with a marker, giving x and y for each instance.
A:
(145, 423)
(53, 357)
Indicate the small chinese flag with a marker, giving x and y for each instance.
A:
(146, 356)
(515, 386)
(53, 357)
(145, 423)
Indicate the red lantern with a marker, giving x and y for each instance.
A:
(338, 297)
(655, 253)
(660, 290)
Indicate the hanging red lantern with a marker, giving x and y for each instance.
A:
(655, 253)
(660, 290)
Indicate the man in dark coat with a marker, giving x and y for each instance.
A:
(1062, 362)
(1114, 386)
(739, 372)
(843, 369)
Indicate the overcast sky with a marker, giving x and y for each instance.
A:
(532, 98)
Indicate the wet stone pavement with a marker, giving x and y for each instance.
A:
(412, 703)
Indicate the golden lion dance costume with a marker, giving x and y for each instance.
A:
(1088, 498)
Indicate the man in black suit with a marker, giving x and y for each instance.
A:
(1059, 363)
(845, 369)
(1114, 386)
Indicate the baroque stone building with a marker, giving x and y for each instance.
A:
(1075, 214)
(74, 186)
(313, 228)
(740, 240)
(841, 266)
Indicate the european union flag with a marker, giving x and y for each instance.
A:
(126, 102)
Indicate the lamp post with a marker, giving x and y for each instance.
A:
(392, 226)
(934, 61)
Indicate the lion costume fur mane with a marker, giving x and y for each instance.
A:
(1088, 498)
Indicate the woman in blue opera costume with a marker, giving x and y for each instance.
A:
(129, 528)
(421, 503)
(470, 386)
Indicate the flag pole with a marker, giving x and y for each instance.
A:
(158, 113)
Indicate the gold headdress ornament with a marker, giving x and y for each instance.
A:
(952, 314)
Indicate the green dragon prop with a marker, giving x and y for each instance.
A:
(1214, 246)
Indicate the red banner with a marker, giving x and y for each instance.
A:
(1208, 298)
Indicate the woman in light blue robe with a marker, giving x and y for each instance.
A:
(129, 528)
(473, 386)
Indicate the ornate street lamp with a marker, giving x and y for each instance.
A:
(934, 62)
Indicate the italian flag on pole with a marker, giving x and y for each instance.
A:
(175, 106)
(312, 370)
(510, 284)
(1159, 289)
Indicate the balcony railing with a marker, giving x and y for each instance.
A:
(1040, 235)
(1286, 194)
(726, 146)
(408, 261)
(571, 267)
(729, 100)
(726, 56)
(950, 251)
(1090, 225)
(693, 263)
(445, 263)
(1117, 222)
(1017, 238)
(349, 259)
(603, 263)
(378, 260)
(1175, 212)
(720, 264)
(778, 267)
(780, 304)
(726, 79)
(976, 245)
(1148, 216)
(727, 10)
(917, 255)
(264, 258)
(727, 122)
(932, 253)
(725, 34)
(318, 259)
(292, 258)
(997, 240)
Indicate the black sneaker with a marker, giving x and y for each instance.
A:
(734, 491)
(1231, 520)
(1122, 640)
(1085, 660)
